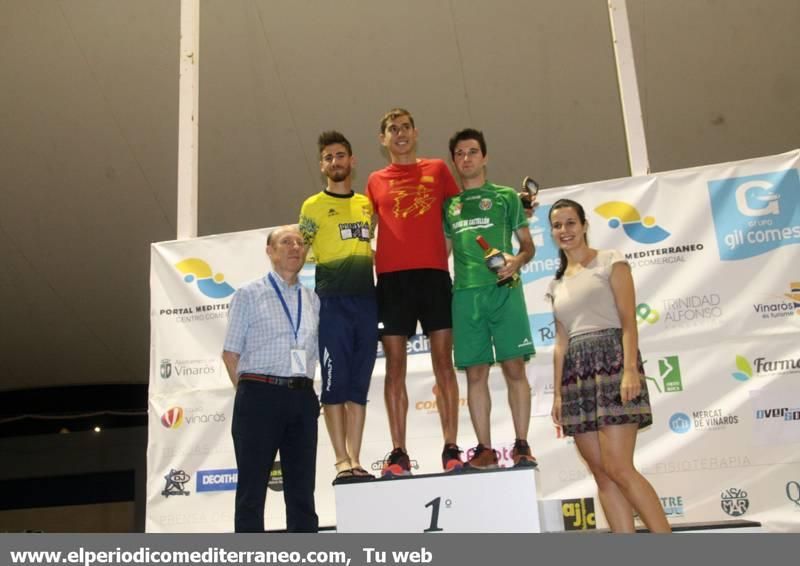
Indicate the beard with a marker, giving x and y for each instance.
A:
(338, 175)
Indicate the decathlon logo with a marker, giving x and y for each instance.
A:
(641, 230)
(198, 271)
(755, 214)
(172, 418)
(217, 480)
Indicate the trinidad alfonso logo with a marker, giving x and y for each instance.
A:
(642, 230)
(210, 284)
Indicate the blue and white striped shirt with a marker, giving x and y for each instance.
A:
(260, 332)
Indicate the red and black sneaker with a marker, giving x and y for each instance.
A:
(397, 464)
(521, 455)
(483, 458)
(451, 458)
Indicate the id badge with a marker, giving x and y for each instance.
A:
(298, 357)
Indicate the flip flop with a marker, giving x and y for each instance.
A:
(343, 476)
(361, 473)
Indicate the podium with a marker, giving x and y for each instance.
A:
(480, 501)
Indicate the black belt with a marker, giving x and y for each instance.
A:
(290, 382)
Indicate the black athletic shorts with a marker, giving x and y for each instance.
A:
(405, 297)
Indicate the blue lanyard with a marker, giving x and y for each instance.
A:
(295, 326)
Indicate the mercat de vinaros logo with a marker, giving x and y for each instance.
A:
(197, 271)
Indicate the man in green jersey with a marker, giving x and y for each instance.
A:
(490, 322)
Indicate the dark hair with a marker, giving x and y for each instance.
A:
(566, 203)
(467, 134)
(331, 137)
(393, 114)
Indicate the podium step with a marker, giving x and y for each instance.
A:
(486, 501)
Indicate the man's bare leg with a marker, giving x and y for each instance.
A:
(394, 392)
(446, 382)
(480, 402)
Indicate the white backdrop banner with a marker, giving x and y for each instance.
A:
(716, 263)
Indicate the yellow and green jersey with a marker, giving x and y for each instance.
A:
(339, 228)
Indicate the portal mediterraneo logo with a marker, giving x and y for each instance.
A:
(211, 285)
(641, 230)
(416, 344)
(546, 261)
(755, 214)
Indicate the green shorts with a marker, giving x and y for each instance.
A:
(490, 324)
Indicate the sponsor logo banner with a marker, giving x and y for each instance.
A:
(216, 480)
(776, 416)
(755, 214)
(578, 514)
(734, 502)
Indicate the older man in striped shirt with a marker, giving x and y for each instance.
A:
(271, 353)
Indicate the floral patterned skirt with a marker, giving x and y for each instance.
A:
(590, 385)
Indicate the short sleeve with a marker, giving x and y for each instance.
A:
(549, 294)
(612, 257)
(448, 182)
(516, 215)
(445, 224)
(308, 226)
(238, 321)
(370, 196)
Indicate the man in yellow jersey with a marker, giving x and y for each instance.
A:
(337, 224)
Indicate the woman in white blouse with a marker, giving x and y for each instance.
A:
(601, 394)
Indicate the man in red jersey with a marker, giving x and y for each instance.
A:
(413, 280)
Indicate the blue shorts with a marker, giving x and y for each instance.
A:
(348, 342)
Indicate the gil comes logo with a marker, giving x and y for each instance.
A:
(643, 230)
(210, 284)
(755, 214)
(546, 261)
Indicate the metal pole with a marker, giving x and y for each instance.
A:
(628, 88)
(187, 119)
